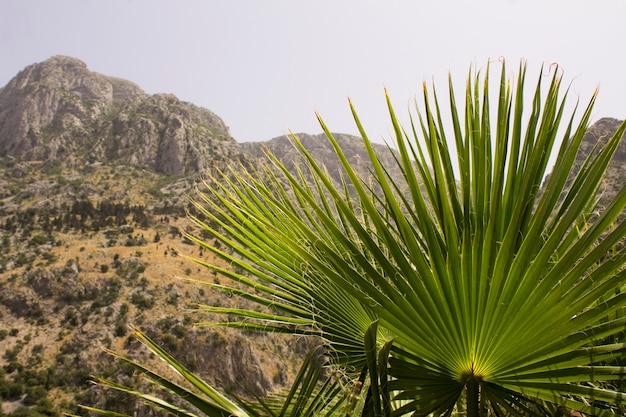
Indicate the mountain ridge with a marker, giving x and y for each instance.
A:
(58, 109)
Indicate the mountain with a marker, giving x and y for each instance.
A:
(96, 176)
(93, 193)
(60, 110)
(95, 182)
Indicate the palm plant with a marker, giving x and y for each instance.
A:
(474, 285)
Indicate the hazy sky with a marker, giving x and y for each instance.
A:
(267, 66)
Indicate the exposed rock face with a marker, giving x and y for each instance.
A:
(322, 152)
(165, 134)
(595, 137)
(598, 134)
(57, 95)
(58, 109)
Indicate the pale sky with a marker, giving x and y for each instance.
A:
(265, 67)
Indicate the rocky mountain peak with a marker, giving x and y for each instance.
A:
(72, 75)
(59, 109)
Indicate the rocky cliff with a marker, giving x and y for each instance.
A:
(614, 178)
(596, 136)
(60, 110)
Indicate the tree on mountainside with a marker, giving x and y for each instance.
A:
(469, 287)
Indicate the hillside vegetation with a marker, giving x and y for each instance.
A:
(96, 176)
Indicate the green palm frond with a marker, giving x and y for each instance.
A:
(313, 393)
(493, 288)
(483, 269)
(196, 393)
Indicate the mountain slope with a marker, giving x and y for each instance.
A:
(95, 175)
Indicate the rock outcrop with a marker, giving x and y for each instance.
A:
(615, 177)
(60, 110)
(321, 150)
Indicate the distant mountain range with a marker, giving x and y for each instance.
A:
(92, 200)
(59, 110)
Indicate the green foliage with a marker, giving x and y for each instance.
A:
(170, 342)
(39, 239)
(10, 391)
(179, 331)
(137, 240)
(49, 257)
(142, 301)
(476, 285)
(22, 259)
(129, 269)
(71, 317)
(121, 328)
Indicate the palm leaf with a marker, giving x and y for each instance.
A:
(313, 393)
(500, 295)
(474, 269)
